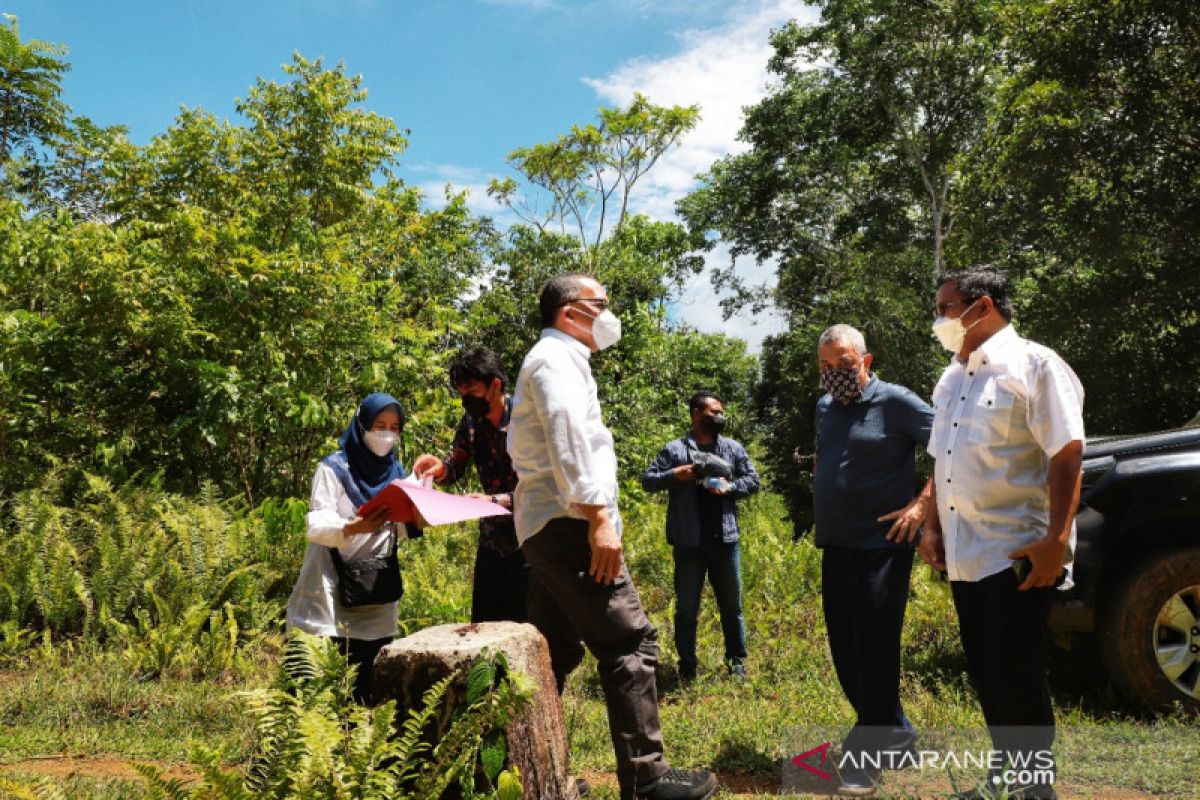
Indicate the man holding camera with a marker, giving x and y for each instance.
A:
(705, 474)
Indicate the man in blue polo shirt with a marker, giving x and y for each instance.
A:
(867, 435)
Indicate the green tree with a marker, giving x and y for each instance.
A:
(850, 189)
(588, 177)
(31, 113)
(589, 174)
(241, 288)
(1087, 187)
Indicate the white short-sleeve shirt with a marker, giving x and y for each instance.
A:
(998, 420)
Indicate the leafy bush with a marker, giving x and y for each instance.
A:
(314, 742)
(175, 583)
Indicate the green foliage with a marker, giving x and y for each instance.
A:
(850, 189)
(243, 287)
(589, 173)
(175, 584)
(1086, 189)
(314, 742)
(31, 73)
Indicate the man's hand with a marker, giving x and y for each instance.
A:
(932, 550)
(427, 463)
(498, 499)
(369, 524)
(605, 544)
(1046, 557)
(907, 521)
(685, 473)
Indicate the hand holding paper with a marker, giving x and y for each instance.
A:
(405, 499)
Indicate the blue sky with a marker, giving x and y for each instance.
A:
(471, 79)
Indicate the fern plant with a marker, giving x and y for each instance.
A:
(314, 742)
(177, 584)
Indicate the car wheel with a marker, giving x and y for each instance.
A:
(1150, 631)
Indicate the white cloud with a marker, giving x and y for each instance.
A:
(723, 70)
(432, 180)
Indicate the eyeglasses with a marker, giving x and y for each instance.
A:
(601, 302)
(940, 309)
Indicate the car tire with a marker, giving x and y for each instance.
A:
(1149, 631)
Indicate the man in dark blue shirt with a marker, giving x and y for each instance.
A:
(702, 526)
(867, 435)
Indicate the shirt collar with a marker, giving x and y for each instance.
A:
(507, 412)
(691, 438)
(568, 339)
(869, 391)
(993, 348)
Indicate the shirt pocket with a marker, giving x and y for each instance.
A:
(991, 415)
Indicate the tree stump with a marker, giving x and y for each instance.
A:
(537, 737)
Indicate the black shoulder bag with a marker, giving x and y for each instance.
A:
(368, 581)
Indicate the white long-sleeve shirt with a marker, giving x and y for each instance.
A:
(998, 420)
(313, 606)
(561, 450)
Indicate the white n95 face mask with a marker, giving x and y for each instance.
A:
(951, 332)
(380, 442)
(606, 330)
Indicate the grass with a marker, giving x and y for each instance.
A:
(74, 700)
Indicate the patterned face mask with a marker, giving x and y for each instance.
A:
(842, 383)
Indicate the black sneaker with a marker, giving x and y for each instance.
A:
(582, 787)
(737, 671)
(858, 783)
(687, 674)
(678, 784)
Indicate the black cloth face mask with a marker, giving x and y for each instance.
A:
(475, 405)
(842, 383)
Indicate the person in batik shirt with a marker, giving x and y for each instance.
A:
(501, 575)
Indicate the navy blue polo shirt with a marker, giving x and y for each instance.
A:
(866, 462)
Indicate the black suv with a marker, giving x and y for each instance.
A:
(1137, 565)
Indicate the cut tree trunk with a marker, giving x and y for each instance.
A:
(537, 738)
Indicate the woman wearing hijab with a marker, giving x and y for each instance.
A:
(364, 465)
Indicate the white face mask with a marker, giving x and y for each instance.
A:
(951, 332)
(380, 442)
(606, 328)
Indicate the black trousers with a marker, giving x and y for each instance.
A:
(1006, 643)
(864, 594)
(361, 653)
(501, 586)
(567, 606)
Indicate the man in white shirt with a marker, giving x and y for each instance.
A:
(569, 527)
(1008, 442)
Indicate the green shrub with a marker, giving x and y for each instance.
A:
(174, 582)
(314, 742)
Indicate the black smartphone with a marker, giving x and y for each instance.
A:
(1022, 566)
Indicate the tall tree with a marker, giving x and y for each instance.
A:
(849, 190)
(586, 180)
(589, 174)
(31, 73)
(1087, 186)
